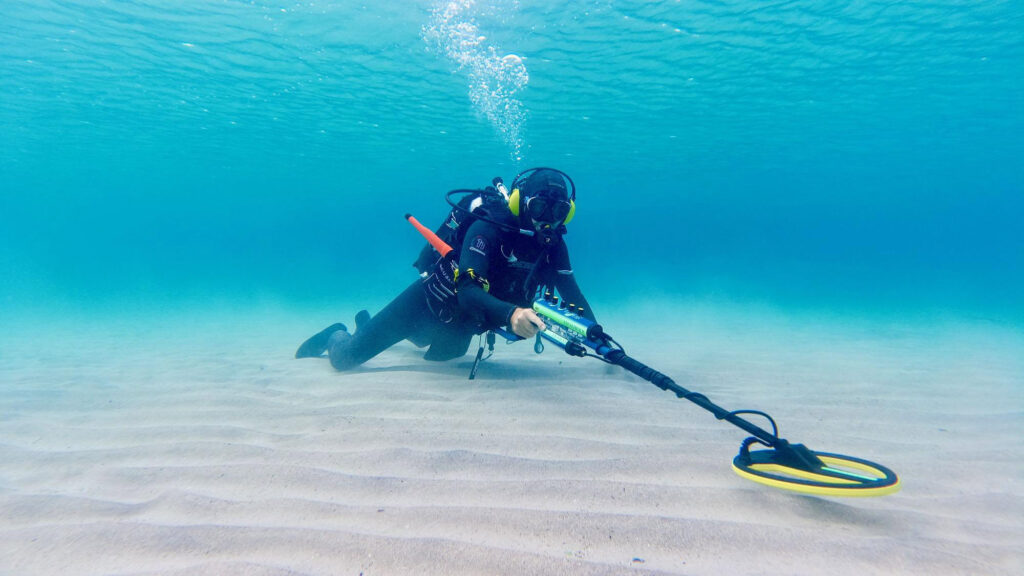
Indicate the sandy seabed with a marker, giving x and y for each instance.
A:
(195, 444)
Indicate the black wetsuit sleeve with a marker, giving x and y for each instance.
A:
(480, 246)
(565, 281)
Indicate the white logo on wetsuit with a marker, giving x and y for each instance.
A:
(479, 246)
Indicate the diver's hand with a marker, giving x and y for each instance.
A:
(525, 322)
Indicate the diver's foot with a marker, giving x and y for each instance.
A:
(317, 343)
(361, 319)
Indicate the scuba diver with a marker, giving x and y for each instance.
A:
(485, 270)
(508, 248)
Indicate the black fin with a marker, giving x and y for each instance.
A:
(316, 345)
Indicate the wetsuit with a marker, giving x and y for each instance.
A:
(511, 265)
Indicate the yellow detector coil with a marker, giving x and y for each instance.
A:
(825, 475)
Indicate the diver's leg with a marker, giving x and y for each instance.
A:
(449, 341)
(318, 343)
(407, 314)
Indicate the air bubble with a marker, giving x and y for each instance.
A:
(493, 81)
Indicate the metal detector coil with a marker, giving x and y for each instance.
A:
(797, 468)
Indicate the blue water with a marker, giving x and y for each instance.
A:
(837, 155)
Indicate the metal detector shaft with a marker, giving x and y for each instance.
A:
(784, 465)
(573, 333)
(644, 371)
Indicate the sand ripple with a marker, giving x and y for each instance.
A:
(211, 461)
